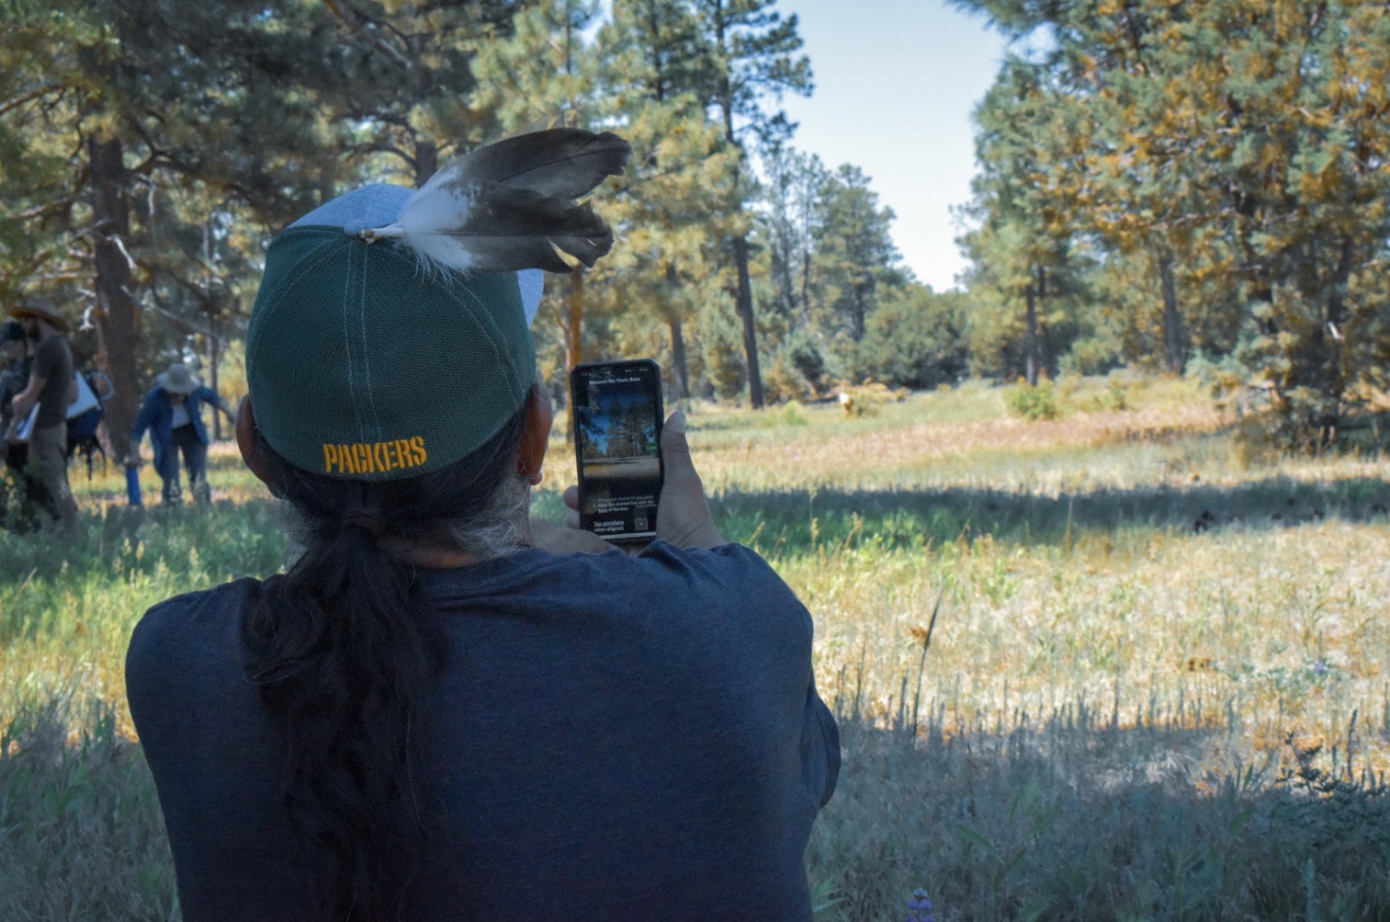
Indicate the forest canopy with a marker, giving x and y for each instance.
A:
(1183, 187)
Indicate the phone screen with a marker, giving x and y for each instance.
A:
(617, 430)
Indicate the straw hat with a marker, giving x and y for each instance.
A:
(178, 379)
(41, 308)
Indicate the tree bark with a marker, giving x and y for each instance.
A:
(574, 320)
(573, 326)
(1174, 337)
(680, 372)
(1030, 337)
(750, 330)
(116, 314)
(1333, 336)
(426, 162)
(214, 342)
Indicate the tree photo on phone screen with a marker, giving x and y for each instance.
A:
(617, 432)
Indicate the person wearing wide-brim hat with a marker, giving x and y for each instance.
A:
(173, 414)
(51, 390)
(443, 709)
(39, 308)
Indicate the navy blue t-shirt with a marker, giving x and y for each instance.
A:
(616, 738)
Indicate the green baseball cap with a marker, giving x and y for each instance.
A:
(365, 363)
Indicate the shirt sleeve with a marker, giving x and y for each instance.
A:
(45, 358)
(820, 749)
(774, 632)
(145, 419)
(211, 396)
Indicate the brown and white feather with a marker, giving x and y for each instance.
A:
(511, 205)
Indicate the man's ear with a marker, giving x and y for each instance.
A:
(535, 436)
(246, 441)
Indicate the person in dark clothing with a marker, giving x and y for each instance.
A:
(51, 389)
(445, 709)
(172, 412)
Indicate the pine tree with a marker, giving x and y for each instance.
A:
(855, 256)
(543, 74)
(672, 202)
(755, 56)
(1022, 246)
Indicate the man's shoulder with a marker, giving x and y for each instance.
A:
(53, 352)
(732, 585)
(697, 569)
(184, 667)
(727, 566)
(55, 345)
(178, 628)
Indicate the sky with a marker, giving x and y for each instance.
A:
(896, 81)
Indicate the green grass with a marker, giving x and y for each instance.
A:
(1156, 685)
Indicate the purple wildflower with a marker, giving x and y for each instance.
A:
(1320, 668)
(919, 907)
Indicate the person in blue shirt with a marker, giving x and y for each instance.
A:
(446, 709)
(173, 414)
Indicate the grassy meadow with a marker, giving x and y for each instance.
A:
(1114, 665)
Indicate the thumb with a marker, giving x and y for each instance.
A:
(677, 466)
(683, 516)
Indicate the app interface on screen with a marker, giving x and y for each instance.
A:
(615, 425)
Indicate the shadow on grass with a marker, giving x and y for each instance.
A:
(82, 836)
(800, 520)
(1064, 818)
(1073, 819)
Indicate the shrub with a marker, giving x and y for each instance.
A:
(794, 414)
(915, 339)
(1034, 403)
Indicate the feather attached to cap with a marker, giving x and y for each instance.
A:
(511, 205)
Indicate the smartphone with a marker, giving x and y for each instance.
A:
(616, 407)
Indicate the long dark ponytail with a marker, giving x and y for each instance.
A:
(346, 657)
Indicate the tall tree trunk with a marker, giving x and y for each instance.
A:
(750, 330)
(574, 320)
(806, 285)
(426, 161)
(1030, 337)
(745, 287)
(681, 370)
(1333, 384)
(573, 326)
(214, 347)
(116, 314)
(214, 328)
(1174, 337)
